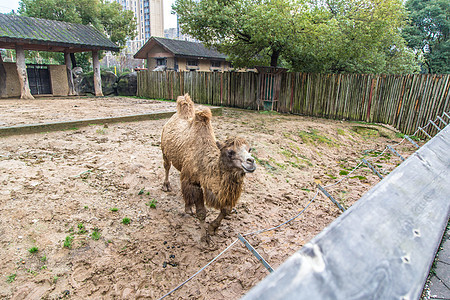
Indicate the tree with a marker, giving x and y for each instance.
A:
(250, 32)
(360, 36)
(428, 32)
(108, 17)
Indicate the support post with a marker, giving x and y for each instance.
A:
(255, 253)
(69, 73)
(395, 152)
(411, 141)
(25, 92)
(97, 76)
(372, 168)
(3, 92)
(324, 191)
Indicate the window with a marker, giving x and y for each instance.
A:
(215, 64)
(161, 61)
(192, 63)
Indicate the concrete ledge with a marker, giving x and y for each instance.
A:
(56, 126)
(380, 248)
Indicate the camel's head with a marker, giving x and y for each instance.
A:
(235, 154)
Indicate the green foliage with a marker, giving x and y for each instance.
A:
(152, 203)
(108, 17)
(68, 241)
(126, 221)
(95, 235)
(114, 209)
(11, 278)
(428, 33)
(33, 250)
(327, 36)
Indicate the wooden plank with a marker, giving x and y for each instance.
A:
(380, 248)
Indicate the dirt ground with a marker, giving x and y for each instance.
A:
(66, 196)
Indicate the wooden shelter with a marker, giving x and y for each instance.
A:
(177, 55)
(25, 33)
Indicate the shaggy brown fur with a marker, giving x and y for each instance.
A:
(210, 172)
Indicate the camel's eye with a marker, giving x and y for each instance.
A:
(231, 153)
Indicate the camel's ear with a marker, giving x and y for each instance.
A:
(219, 144)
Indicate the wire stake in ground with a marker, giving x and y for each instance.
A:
(426, 133)
(411, 141)
(372, 168)
(434, 124)
(442, 120)
(330, 197)
(255, 253)
(395, 152)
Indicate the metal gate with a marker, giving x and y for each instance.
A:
(269, 87)
(39, 79)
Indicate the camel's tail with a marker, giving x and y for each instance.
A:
(185, 106)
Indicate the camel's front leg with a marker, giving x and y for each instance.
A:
(200, 211)
(214, 224)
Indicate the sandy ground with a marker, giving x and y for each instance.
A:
(64, 197)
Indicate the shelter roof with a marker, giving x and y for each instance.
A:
(49, 35)
(179, 49)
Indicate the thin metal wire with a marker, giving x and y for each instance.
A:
(346, 176)
(204, 267)
(284, 223)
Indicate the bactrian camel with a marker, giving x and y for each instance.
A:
(211, 172)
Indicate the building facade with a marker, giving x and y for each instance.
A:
(149, 18)
(167, 54)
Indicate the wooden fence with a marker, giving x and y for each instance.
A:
(403, 101)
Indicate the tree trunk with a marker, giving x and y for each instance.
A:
(22, 72)
(274, 58)
(72, 58)
(69, 74)
(3, 92)
(97, 76)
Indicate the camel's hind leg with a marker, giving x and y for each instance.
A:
(191, 193)
(166, 185)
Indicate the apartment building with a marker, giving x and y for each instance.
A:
(149, 18)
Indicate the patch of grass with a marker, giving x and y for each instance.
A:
(81, 228)
(113, 209)
(44, 258)
(55, 279)
(268, 112)
(331, 176)
(313, 136)
(11, 278)
(306, 190)
(33, 250)
(101, 131)
(86, 207)
(366, 132)
(340, 131)
(68, 241)
(126, 221)
(152, 203)
(141, 192)
(95, 235)
(359, 177)
(343, 172)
